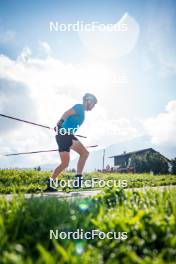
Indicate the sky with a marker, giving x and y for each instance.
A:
(43, 73)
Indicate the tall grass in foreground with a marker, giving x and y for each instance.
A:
(148, 217)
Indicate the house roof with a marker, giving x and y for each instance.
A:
(138, 152)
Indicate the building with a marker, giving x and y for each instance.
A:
(122, 163)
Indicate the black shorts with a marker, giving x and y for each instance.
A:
(65, 141)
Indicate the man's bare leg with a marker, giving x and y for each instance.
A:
(65, 158)
(83, 152)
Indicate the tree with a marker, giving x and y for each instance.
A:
(173, 164)
(149, 162)
(157, 163)
(38, 168)
(138, 163)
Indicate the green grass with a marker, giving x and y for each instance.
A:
(148, 217)
(31, 181)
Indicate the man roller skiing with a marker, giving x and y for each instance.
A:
(66, 140)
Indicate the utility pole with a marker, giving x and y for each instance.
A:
(103, 158)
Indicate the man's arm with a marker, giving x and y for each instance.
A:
(68, 113)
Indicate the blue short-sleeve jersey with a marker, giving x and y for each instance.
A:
(74, 121)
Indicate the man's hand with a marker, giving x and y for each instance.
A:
(60, 122)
